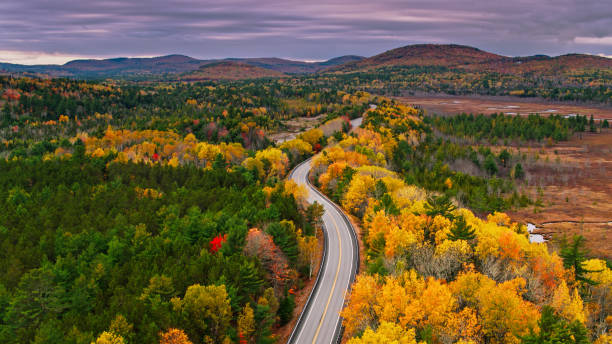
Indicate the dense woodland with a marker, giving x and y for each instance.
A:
(90, 246)
(160, 213)
(583, 86)
(435, 272)
(520, 128)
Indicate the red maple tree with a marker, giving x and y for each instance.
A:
(217, 242)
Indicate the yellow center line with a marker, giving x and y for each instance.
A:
(335, 280)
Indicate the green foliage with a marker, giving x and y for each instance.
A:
(574, 254)
(490, 164)
(343, 183)
(440, 205)
(519, 173)
(501, 126)
(556, 330)
(285, 309)
(98, 248)
(428, 165)
(285, 238)
(461, 230)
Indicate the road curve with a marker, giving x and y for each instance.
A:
(320, 320)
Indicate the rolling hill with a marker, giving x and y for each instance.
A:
(229, 70)
(452, 56)
(469, 58)
(422, 55)
(170, 64)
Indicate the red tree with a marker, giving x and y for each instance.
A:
(217, 242)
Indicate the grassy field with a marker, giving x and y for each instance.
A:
(571, 181)
(454, 104)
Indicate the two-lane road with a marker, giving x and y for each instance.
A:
(320, 320)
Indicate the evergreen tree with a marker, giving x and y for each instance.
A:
(461, 230)
(440, 205)
(490, 165)
(574, 255)
(504, 157)
(556, 330)
(519, 173)
(285, 309)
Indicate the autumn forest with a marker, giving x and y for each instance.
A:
(157, 210)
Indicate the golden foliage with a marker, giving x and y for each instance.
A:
(387, 332)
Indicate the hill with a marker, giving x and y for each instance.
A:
(542, 64)
(170, 64)
(229, 70)
(423, 55)
(296, 67)
(469, 58)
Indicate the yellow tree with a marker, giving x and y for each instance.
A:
(174, 336)
(359, 190)
(307, 247)
(312, 136)
(109, 338)
(568, 306)
(207, 308)
(387, 332)
(359, 312)
(246, 324)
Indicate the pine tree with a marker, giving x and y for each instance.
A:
(556, 330)
(440, 205)
(574, 255)
(490, 165)
(519, 173)
(461, 230)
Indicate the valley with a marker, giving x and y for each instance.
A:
(172, 200)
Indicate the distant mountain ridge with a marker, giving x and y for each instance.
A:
(440, 55)
(123, 66)
(470, 58)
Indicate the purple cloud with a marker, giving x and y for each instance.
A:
(313, 29)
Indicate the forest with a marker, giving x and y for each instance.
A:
(159, 212)
(533, 127)
(133, 250)
(437, 273)
(582, 86)
(166, 219)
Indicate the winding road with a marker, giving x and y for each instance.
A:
(320, 320)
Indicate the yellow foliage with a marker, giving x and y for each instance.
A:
(98, 153)
(569, 307)
(449, 183)
(254, 164)
(312, 136)
(501, 219)
(359, 314)
(298, 192)
(505, 315)
(386, 332)
(405, 196)
(600, 272)
(109, 338)
(246, 322)
(174, 162)
(360, 188)
(460, 247)
(274, 161)
(297, 147)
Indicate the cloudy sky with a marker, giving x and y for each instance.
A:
(55, 31)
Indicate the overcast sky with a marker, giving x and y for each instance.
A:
(55, 31)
